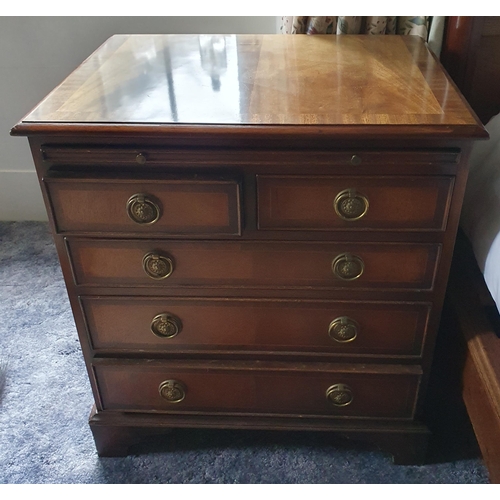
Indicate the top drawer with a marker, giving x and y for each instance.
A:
(172, 206)
(408, 203)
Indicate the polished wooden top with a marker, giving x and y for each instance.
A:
(242, 80)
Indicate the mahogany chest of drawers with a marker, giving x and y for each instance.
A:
(256, 231)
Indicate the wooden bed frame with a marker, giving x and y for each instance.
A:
(470, 321)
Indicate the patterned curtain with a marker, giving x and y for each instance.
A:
(429, 28)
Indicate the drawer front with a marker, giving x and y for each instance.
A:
(174, 206)
(371, 203)
(248, 264)
(173, 325)
(254, 389)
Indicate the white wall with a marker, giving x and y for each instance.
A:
(37, 53)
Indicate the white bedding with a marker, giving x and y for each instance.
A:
(480, 218)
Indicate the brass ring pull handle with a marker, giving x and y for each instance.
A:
(166, 325)
(339, 395)
(172, 391)
(142, 209)
(157, 267)
(350, 205)
(343, 329)
(348, 267)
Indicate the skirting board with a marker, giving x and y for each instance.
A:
(20, 197)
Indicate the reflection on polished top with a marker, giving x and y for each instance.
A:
(257, 79)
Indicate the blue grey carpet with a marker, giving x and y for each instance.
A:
(45, 438)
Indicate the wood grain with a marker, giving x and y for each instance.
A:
(262, 79)
(228, 327)
(186, 205)
(255, 388)
(264, 265)
(174, 116)
(308, 202)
